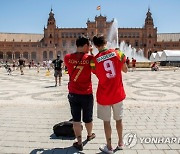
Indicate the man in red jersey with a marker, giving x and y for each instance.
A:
(80, 89)
(133, 64)
(108, 64)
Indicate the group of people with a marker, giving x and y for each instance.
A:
(133, 63)
(107, 65)
(20, 65)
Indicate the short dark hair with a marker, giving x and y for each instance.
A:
(99, 40)
(82, 40)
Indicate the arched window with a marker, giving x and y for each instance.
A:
(1, 55)
(25, 55)
(64, 53)
(51, 55)
(33, 55)
(9, 55)
(45, 55)
(17, 55)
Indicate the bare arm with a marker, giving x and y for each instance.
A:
(124, 68)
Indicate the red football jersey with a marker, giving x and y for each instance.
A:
(108, 66)
(79, 78)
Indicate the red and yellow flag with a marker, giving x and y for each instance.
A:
(98, 7)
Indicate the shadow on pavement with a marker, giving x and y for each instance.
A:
(53, 136)
(115, 150)
(49, 86)
(68, 150)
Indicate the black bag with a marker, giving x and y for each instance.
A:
(64, 129)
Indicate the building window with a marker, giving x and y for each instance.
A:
(136, 43)
(70, 35)
(79, 34)
(74, 35)
(129, 35)
(33, 55)
(1, 55)
(45, 55)
(64, 43)
(64, 53)
(50, 55)
(72, 43)
(121, 35)
(17, 45)
(134, 35)
(137, 35)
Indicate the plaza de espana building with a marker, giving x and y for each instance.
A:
(40, 47)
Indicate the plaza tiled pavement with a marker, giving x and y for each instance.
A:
(30, 105)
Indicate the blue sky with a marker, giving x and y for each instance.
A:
(30, 16)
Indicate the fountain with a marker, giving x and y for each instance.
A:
(112, 40)
(127, 49)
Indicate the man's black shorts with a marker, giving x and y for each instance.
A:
(81, 104)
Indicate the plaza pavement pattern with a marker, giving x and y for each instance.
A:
(30, 105)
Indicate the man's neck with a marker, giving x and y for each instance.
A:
(101, 49)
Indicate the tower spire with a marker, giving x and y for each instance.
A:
(149, 19)
(51, 19)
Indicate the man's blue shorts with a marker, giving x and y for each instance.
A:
(81, 104)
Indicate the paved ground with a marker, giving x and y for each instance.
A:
(30, 105)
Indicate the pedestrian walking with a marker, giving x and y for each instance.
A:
(57, 69)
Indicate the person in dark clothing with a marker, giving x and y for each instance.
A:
(58, 64)
(21, 65)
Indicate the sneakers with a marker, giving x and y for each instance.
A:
(104, 148)
(89, 138)
(78, 146)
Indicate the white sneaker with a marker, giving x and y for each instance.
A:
(104, 148)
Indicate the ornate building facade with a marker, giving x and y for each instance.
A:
(40, 47)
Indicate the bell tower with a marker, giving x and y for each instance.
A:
(149, 19)
(51, 23)
(50, 33)
(150, 34)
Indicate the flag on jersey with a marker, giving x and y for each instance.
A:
(98, 7)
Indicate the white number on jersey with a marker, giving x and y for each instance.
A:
(109, 67)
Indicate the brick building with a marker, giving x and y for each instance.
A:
(56, 40)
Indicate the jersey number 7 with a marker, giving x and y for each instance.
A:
(78, 73)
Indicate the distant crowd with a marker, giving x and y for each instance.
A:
(11, 66)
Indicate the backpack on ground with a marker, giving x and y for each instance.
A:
(64, 129)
